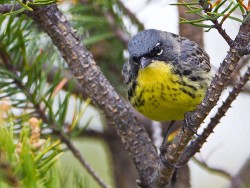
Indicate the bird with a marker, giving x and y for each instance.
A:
(166, 75)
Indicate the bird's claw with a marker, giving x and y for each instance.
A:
(187, 125)
(164, 161)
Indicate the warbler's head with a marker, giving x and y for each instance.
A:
(147, 46)
(153, 45)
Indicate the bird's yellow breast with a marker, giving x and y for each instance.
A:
(162, 95)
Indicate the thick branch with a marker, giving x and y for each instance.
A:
(82, 65)
(72, 85)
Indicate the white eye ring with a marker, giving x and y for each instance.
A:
(160, 52)
(135, 63)
(158, 48)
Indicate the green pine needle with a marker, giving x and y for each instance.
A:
(220, 11)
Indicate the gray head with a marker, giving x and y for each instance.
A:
(153, 44)
(144, 42)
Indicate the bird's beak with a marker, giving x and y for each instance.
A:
(144, 62)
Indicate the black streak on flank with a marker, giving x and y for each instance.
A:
(185, 84)
(177, 71)
(131, 90)
(195, 78)
(188, 93)
(187, 72)
(140, 101)
(130, 93)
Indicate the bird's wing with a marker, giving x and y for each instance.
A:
(192, 54)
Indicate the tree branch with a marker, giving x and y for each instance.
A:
(207, 7)
(72, 85)
(234, 77)
(220, 171)
(6, 8)
(84, 68)
(131, 15)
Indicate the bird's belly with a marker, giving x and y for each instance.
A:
(160, 96)
(164, 105)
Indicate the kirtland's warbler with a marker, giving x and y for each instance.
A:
(166, 75)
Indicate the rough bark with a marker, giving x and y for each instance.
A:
(103, 95)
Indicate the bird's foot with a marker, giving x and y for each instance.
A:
(163, 151)
(187, 125)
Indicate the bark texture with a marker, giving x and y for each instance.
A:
(103, 95)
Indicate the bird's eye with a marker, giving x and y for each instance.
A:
(157, 49)
(135, 60)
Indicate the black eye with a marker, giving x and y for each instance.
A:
(157, 49)
(135, 60)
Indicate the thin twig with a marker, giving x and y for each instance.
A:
(241, 179)
(208, 8)
(242, 4)
(65, 139)
(131, 15)
(6, 8)
(220, 171)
